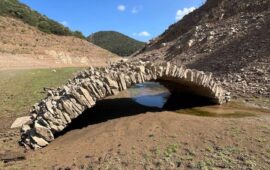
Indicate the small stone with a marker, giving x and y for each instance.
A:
(44, 132)
(112, 84)
(140, 69)
(19, 122)
(190, 43)
(228, 94)
(39, 141)
(25, 128)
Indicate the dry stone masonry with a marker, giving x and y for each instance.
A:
(62, 105)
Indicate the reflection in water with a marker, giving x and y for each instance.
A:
(153, 94)
(157, 100)
(150, 94)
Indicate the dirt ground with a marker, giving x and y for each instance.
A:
(121, 134)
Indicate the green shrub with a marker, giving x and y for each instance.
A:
(78, 34)
(115, 42)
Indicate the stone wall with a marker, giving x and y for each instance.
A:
(62, 105)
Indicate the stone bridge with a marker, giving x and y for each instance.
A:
(62, 105)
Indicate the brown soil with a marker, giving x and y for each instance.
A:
(121, 134)
(24, 46)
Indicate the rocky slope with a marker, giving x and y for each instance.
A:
(230, 38)
(24, 46)
(116, 42)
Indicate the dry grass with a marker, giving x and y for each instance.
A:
(19, 89)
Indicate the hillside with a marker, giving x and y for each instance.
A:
(116, 42)
(227, 37)
(24, 46)
(13, 8)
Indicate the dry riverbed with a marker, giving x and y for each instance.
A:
(120, 133)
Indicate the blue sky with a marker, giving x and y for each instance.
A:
(140, 19)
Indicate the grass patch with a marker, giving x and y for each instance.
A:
(170, 150)
(20, 89)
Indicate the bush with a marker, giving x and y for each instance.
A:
(115, 42)
(78, 34)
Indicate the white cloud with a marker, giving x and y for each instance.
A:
(142, 34)
(136, 9)
(182, 12)
(121, 8)
(65, 23)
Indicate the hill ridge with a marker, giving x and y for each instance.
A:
(116, 42)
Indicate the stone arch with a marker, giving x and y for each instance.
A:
(62, 105)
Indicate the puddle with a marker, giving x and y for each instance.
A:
(153, 94)
(150, 94)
